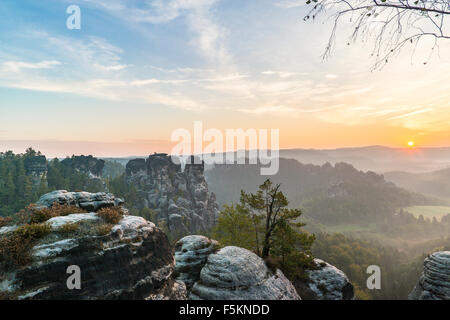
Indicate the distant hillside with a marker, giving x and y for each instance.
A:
(436, 183)
(376, 158)
(328, 194)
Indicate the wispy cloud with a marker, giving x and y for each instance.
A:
(279, 73)
(16, 66)
(272, 110)
(410, 114)
(116, 67)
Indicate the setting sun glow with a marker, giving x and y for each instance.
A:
(411, 143)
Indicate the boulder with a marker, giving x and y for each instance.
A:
(238, 274)
(325, 282)
(86, 200)
(133, 261)
(191, 254)
(434, 282)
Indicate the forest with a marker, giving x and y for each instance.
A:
(25, 177)
(348, 194)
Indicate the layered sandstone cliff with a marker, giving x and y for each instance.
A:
(179, 198)
(131, 259)
(434, 283)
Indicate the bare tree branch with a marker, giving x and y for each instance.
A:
(390, 24)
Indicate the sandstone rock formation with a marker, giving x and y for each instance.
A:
(326, 282)
(131, 261)
(238, 274)
(434, 283)
(36, 168)
(191, 254)
(229, 273)
(180, 199)
(85, 200)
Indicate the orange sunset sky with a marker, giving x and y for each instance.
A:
(135, 73)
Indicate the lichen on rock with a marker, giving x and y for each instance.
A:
(325, 282)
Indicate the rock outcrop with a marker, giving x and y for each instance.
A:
(434, 283)
(238, 274)
(36, 168)
(325, 282)
(180, 199)
(191, 254)
(85, 200)
(131, 260)
(230, 273)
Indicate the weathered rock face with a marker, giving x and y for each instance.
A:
(191, 254)
(86, 200)
(178, 198)
(230, 273)
(238, 274)
(132, 261)
(36, 168)
(434, 283)
(326, 282)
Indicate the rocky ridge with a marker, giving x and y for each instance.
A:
(179, 198)
(236, 273)
(434, 282)
(85, 200)
(133, 260)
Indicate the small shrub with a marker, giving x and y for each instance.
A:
(147, 214)
(111, 215)
(15, 249)
(273, 263)
(5, 221)
(65, 210)
(40, 216)
(104, 229)
(69, 228)
(33, 231)
(32, 215)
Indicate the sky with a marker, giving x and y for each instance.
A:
(138, 70)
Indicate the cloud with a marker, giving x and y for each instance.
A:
(273, 110)
(16, 66)
(208, 35)
(146, 82)
(116, 67)
(279, 73)
(412, 113)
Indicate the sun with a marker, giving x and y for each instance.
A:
(411, 143)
